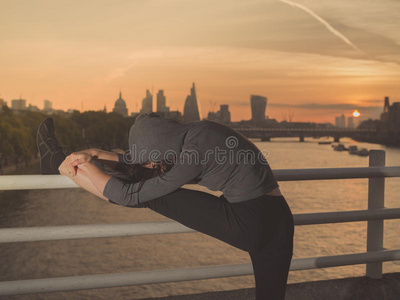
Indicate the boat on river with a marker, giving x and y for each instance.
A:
(363, 152)
(339, 147)
(353, 150)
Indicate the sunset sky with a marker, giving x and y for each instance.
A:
(312, 59)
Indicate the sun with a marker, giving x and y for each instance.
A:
(356, 113)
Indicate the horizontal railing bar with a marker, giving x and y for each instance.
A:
(31, 234)
(35, 182)
(48, 233)
(335, 173)
(28, 182)
(322, 130)
(73, 283)
(346, 216)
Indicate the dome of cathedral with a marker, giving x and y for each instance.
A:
(120, 106)
(120, 102)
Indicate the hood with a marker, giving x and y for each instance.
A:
(154, 138)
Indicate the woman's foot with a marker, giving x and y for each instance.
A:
(51, 154)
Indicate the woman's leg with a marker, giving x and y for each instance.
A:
(272, 261)
(205, 213)
(82, 179)
(263, 227)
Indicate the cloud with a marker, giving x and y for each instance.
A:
(331, 109)
(327, 106)
(374, 101)
(326, 24)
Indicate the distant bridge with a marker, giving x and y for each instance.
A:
(267, 133)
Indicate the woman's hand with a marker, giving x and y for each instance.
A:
(66, 169)
(80, 157)
(70, 165)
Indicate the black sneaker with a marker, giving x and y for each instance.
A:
(51, 153)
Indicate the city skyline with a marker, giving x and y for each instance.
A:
(120, 107)
(316, 60)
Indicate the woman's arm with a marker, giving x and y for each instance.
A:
(82, 178)
(110, 159)
(107, 158)
(104, 155)
(126, 193)
(82, 156)
(96, 176)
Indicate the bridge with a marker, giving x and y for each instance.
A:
(267, 133)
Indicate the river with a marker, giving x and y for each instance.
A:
(129, 254)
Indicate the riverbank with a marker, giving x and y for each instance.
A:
(33, 168)
(390, 141)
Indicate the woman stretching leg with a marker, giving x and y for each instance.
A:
(252, 215)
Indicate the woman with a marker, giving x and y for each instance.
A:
(251, 215)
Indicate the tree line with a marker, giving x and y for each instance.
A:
(75, 131)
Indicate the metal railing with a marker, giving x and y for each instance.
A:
(373, 258)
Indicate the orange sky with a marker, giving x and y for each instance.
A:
(312, 61)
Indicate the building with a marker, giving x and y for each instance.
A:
(394, 117)
(120, 106)
(33, 108)
(222, 116)
(225, 114)
(47, 105)
(350, 122)
(161, 102)
(173, 114)
(147, 103)
(258, 106)
(2, 103)
(191, 112)
(18, 104)
(390, 116)
(340, 122)
(385, 114)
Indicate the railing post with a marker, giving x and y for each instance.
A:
(376, 199)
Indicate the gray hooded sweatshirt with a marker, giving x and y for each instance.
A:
(207, 153)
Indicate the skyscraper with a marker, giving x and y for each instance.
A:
(191, 109)
(385, 113)
(394, 117)
(18, 104)
(340, 121)
(147, 103)
(47, 105)
(386, 105)
(161, 107)
(221, 116)
(120, 106)
(350, 122)
(225, 114)
(258, 106)
(390, 117)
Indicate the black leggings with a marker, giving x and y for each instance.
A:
(262, 226)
